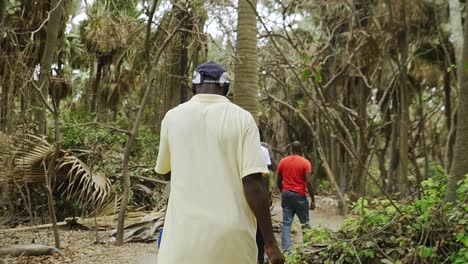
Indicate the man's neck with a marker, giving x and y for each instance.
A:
(210, 90)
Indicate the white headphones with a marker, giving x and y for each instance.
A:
(224, 80)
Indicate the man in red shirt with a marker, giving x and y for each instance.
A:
(294, 178)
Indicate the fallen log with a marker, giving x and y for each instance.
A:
(29, 250)
(27, 228)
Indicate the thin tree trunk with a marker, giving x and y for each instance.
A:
(457, 30)
(404, 106)
(246, 68)
(459, 168)
(456, 38)
(3, 8)
(394, 159)
(363, 150)
(95, 87)
(136, 125)
(52, 173)
(53, 26)
(449, 121)
(422, 129)
(183, 70)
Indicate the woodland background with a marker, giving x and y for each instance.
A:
(376, 90)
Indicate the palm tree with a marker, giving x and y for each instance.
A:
(246, 78)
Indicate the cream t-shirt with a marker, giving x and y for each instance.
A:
(209, 144)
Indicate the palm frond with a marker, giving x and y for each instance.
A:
(91, 187)
(23, 159)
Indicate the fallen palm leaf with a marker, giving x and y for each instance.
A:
(145, 230)
(24, 159)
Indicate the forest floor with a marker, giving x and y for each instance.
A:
(79, 245)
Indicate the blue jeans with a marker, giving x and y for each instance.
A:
(293, 203)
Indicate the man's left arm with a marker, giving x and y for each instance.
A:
(257, 198)
(310, 184)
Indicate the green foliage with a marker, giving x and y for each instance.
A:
(107, 145)
(316, 235)
(424, 231)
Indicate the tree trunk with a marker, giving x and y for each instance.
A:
(7, 100)
(457, 41)
(95, 87)
(394, 156)
(183, 68)
(457, 30)
(460, 156)
(449, 121)
(51, 172)
(53, 26)
(136, 125)
(362, 145)
(246, 68)
(404, 105)
(422, 129)
(3, 8)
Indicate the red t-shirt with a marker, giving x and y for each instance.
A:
(293, 169)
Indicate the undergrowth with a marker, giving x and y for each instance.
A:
(428, 230)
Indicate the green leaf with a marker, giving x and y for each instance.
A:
(306, 74)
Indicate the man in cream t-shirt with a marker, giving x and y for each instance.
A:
(210, 148)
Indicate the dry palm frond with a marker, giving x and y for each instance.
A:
(23, 159)
(59, 88)
(109, 207)
(105, 35)
(114, 94)
(92, 188)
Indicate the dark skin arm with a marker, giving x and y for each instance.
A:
(272, 159)
(257, 198)
(279, 181)
(310, 189)
(167, 176)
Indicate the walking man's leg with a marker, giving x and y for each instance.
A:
(288, 216)
(302, 211)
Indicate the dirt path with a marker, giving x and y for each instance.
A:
(79, 246)
(325, 215)
(148, 258)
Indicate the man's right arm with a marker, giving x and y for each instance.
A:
(257, 198)
(279, 181)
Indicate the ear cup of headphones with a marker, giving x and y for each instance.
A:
(196, 78)
(224, 79)
(225, 82)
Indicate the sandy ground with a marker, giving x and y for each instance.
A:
(79, 246)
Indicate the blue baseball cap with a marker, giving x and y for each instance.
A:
(211, 69)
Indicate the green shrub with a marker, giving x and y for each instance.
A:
(427, 230)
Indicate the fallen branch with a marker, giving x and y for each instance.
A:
(148, 179)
